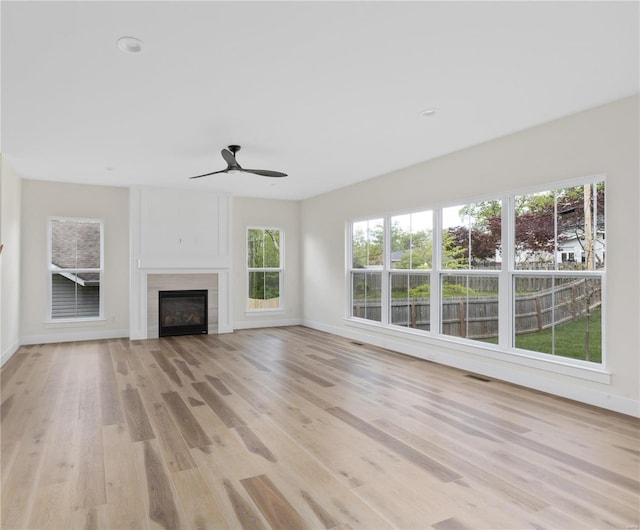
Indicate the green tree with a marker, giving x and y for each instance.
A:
(454, 256)
(417, 248)
(367, 244)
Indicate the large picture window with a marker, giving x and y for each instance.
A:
(75, 268)
(264, 266)
(523, 272)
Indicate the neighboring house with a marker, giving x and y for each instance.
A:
(572, 250)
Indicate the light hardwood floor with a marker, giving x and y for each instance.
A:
(294, 428)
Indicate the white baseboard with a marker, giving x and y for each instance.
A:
(8, 353)
(251, 324)
(73, 336)
(566, 387)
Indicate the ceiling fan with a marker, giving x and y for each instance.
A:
(229, 156)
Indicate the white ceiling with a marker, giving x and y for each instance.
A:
(328, 92)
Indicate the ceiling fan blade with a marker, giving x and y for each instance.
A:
(265, 172)
(229, 158)
(207, 174)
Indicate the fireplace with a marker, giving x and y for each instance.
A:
(183, 312)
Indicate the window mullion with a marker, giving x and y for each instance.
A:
(436, 276)
(385, 295)
(505, 281)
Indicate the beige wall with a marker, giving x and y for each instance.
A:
(10, 191)
(268, 213)
(41, 200)
(600, 141)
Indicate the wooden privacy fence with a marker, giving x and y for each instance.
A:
(477, 317)
(259, 303)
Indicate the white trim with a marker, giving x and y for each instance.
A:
(141, 265)
(76, 336)
(251, 324)
(9, 352)
(73, 322)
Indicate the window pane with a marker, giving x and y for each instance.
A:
(561, 229)
(88, 245)
(75, 244)
(367, 244)
(264, 290)
(263, 248)
(534, 231)
(559, 316)
(580, 227)
(366, 295)
(411, 240)
(410, 302)
(470, 307)
(471, 236)
(63, 244)
(256, 248)
(272, 248)
(75, 295)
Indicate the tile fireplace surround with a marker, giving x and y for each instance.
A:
(175, 282)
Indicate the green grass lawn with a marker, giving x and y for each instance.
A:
(570, 339)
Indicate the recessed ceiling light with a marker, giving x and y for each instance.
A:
(427, 112)
(130, 44)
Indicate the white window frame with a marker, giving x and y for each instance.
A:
(506, 278)
(52, 269)
(279, 270)
(373, 269)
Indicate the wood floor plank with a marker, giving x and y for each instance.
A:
(183, 352)
(61, 453)
(166, 366)
(306, 374)
(187, 423)
(139, 427)
(111, 409)
(245, 512)
(415, 457)
(12, 366)
(201, 507)
(217, 404)
(174, 449)
(273, 505)
(162, 502)
(329, 501)
(125, 506)
(93, 518)
(222, 470)
(184, 368)
(254, 444)
(90, 483)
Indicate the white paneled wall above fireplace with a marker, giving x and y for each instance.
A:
(179, 232)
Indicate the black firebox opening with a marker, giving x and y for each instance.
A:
(183, 312)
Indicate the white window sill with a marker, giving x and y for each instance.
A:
(74, 322)
(263, 311)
